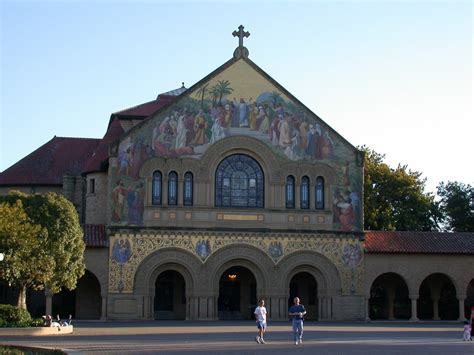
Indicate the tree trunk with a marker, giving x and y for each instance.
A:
(22, 298)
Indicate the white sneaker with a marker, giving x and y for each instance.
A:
(296, 342)
(257, 339)
(301, 341)
(262, 341)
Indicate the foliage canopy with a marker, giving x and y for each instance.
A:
(42, 240)
(394, 199)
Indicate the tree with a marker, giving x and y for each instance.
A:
(24, 265)
(224, 89)
(394, 199)
(59, 245)
(203, 91)
(457, 205)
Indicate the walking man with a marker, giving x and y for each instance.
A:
(296, 313)
(261, 318)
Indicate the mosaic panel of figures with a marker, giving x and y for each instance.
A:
(229, 105)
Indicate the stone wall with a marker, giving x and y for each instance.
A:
(96, 202)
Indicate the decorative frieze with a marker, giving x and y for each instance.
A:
(128, 250)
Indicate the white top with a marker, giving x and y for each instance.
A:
(261, 314)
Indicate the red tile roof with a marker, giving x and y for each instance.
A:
(419, 242)
(95, 236)
(147, 108)
(99, 158)
(47, 164)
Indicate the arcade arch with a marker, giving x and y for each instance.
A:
(437, 298)
(157, 273)
(389, 298)
(322, 278)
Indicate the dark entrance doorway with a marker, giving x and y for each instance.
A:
(389, 298)
(170, 296)
(237, 294)
(304, 286)
(437, 299)
(88, 298)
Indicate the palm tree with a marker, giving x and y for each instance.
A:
(214, 92)
(224, 89)
(203, 91)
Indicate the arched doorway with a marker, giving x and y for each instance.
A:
(469, 302)
(437, 299)
(170, 296)
(64, 303)
(389, 298)
(304, 286)
(237, 294)
(88, 298)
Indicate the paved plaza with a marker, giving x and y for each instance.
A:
(219, 337)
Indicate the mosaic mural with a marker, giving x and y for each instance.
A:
(238, 101)
(128, 251)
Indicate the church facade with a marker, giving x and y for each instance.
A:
(199, 203)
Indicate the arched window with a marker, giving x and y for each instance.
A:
(319, 191)
(172, 189)
(304, 192)
(156, 188)
(290, 192)
(188, 189)
(239, 182)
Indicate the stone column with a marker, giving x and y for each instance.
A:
(325, 314)
(390, 301)
(435, 295)
(273, 303)
(283, 307)
(192, 307)
(211, 312)
(367, 309)
(414, 311)
(297, 192)
(435, 307)
(461, 299)
(49, 302)
(164, 190)
(103, 311)
(180, 192)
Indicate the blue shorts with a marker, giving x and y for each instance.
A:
(261, 324)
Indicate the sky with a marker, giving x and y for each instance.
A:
(393, 76)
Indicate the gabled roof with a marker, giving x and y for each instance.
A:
(99, 158)
(47, 164)
(418, 242)
(144, 110)
(261, 72)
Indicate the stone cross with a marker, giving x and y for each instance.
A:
(241, 34)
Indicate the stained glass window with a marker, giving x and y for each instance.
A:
(156, 188)
(290, 192)
(188, 189)
(172, 189)
(319, 193)
(304, 192)
(239, 182)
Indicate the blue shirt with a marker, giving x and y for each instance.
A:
(297, 309)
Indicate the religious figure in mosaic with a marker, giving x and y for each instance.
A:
(275, 250)
(351, 256)
(121, 251)
(203, 248)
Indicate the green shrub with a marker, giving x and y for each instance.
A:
(37, 322)
(11, 316)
